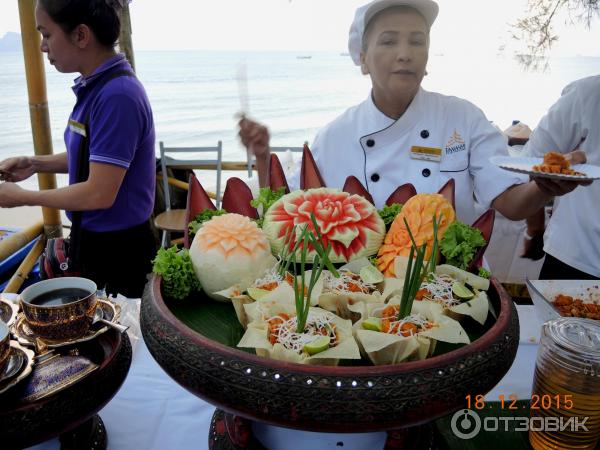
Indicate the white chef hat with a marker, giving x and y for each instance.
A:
(427, 8)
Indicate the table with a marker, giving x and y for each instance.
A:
(152, 412)
(59, 413)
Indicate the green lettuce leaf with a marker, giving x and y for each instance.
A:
(266, 197)
(389, 213)
(484, 273)
(204, 216)
(178, 277)
(460, 243)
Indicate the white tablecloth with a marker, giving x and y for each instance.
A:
(152, 412)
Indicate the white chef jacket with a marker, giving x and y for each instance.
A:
(573, 232)
(376, 149)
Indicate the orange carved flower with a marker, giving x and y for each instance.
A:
(418, 212)
(232, 235)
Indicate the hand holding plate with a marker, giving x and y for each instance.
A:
(556, 188)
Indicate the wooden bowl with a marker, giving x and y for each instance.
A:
(331, 399)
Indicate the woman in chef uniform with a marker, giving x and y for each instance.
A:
(404, 134)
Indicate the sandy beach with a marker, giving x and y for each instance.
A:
(23, 216)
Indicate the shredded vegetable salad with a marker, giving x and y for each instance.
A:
(348, 282)
(270, 280)
(409, 326)
(438, 288)
(282, 330)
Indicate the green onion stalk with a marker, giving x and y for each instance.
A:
(318, 264)
(417, 270)
(284, 254)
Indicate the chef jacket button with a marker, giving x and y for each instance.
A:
(370, 142)
(375, 177)
(424, 134)
(426, 172)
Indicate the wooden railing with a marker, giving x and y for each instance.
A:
(225, 165)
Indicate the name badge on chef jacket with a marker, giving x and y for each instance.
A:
(77, 127)
(426, 153)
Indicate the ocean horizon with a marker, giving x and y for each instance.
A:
(195, 95)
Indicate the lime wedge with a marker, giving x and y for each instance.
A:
(372, 323)
(317, 346)
(370, 274)
(256, 293)
(461, 291)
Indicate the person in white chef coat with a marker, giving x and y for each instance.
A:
(402, 133)
(572, 236)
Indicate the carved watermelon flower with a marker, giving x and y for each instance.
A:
(348, 222)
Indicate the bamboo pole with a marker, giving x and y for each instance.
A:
(19, 277)
(125, 41)
(19, 240)
(174, 182)
(38, 107)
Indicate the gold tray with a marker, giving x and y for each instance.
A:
(54, 372)
(8, 312)
(21, 357)
(25, 336)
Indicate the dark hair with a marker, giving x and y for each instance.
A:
(102, 16)
(397, 8)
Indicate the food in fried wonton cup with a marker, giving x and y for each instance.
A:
(344, 294)
(385, 339)
(460, 293)
(277, 290)
(326, 338)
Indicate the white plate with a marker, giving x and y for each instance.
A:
(524, 165)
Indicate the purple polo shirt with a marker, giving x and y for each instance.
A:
(121, 132)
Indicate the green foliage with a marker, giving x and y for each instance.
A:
(178, 276)
(389, 213)
(204, 216)
(484, 273)
(460, 243)
(535, 29)
(266, 197)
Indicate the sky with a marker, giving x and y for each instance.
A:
(312, 25)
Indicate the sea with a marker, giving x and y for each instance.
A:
(195, 95)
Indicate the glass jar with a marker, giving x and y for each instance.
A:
(565, 400)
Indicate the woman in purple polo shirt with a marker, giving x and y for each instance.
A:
(110, 148)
